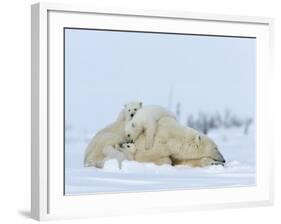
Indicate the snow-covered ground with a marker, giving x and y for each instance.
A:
(237, 148)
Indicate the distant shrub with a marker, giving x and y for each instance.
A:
(205, 122)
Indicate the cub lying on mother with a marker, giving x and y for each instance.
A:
(145, 121)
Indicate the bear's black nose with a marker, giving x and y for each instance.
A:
(132, 115)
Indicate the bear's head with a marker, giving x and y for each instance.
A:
(209, 147)
(128, 148)
(132, 131)
(131, 109)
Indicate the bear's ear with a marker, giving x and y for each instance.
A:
(140, 104)
(198, 139)
(125, 106)
(133, 125)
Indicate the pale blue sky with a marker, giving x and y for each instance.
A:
(106, 69)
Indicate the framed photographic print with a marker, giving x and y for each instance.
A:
(148, 111)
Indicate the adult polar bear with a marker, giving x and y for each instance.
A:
(172, 143)
(178, 145)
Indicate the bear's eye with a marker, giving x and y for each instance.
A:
(129, 110)
(129, 135)
(135, 109)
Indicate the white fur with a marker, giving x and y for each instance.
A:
(124, 152)
(131, 109)
(145, 120)
(108, 137)
(173, 144)
(178, 145)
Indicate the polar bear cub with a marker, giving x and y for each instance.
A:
(109, 136)
(131, 109)
(145, 120)
(125, 151)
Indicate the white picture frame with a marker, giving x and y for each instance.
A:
(47, 196)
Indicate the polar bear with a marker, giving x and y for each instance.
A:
(131, 109)
(125, 151)
(126, 114)
(145, 120)
(178, 145)
(111, 135)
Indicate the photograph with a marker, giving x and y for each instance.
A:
(155, 111)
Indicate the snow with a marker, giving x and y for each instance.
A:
(239, 170)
